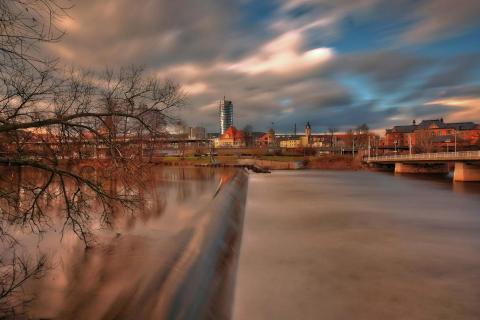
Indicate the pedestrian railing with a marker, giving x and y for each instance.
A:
(438, 156)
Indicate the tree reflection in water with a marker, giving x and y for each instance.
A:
(61, 241)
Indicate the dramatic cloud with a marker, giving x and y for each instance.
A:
(390, 70)
(466, 107)
(337, 63)
(154, 32)
(434, 19)
(283, 55)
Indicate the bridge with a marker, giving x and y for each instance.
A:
(466, 163)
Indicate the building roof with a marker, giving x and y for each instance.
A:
(426, 124)
(438, 123)
(234, 133)
(404, 129)
(462, 125)
(264, 137)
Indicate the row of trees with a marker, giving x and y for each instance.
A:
(359, 137)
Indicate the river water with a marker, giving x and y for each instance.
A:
(315, 245)
(171, 258)
(359, 245)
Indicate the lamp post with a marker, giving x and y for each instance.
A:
(369, 146)
(353, 147)
(448, 141)
(410, 144)
(455, 135)
(395, 146)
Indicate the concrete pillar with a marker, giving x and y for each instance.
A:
(466, 172)
(421, 168)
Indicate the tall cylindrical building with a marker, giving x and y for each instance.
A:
(226, 115)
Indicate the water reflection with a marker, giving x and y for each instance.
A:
(123, 273)
(443, 181)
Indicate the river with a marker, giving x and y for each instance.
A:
(359, 245)
(314, 245)
(173, 257)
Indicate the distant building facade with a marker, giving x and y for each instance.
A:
(330, 142)
(290, 144)
(197, 133)
(301, 141)
(226, 115)
(267, 139)
(432, 135)
(232, 138)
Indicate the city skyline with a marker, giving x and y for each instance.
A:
(333, 63)
(338, 178)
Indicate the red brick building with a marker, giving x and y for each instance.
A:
(434, 135)
(267, 139)
(231, 138)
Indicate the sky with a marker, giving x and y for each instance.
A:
(334, 63)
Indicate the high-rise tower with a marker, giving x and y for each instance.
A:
(226, 115)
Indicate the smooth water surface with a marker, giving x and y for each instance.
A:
(359, 245)
(136, 265)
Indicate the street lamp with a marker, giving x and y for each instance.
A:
(369, 146)
(448, 141)
(395, 145)
(353, 147)
(455, 135)
(410, 144)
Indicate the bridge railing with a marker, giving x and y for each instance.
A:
(460, 155)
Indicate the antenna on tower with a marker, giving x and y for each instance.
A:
(295, 130)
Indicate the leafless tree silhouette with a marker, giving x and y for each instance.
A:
(424, 141)
(51, 118)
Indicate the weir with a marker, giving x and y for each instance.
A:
(201, 283)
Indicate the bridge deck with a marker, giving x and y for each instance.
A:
(428, 157)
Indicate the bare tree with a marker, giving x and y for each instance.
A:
(331, 132)
(349, 138)
(51, 118)
(362, 129)
(248, 131)
(424, 141)
(75, 115)
(362, 133)
(15, 272)
(24, 26)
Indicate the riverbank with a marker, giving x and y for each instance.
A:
(327, 162)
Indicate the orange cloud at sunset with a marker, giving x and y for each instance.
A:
(468, 107)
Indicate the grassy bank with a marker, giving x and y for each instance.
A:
(326, 162)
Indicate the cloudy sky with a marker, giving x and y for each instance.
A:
(335, 63)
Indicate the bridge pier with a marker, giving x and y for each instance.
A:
(466, 172)
(421, 168)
